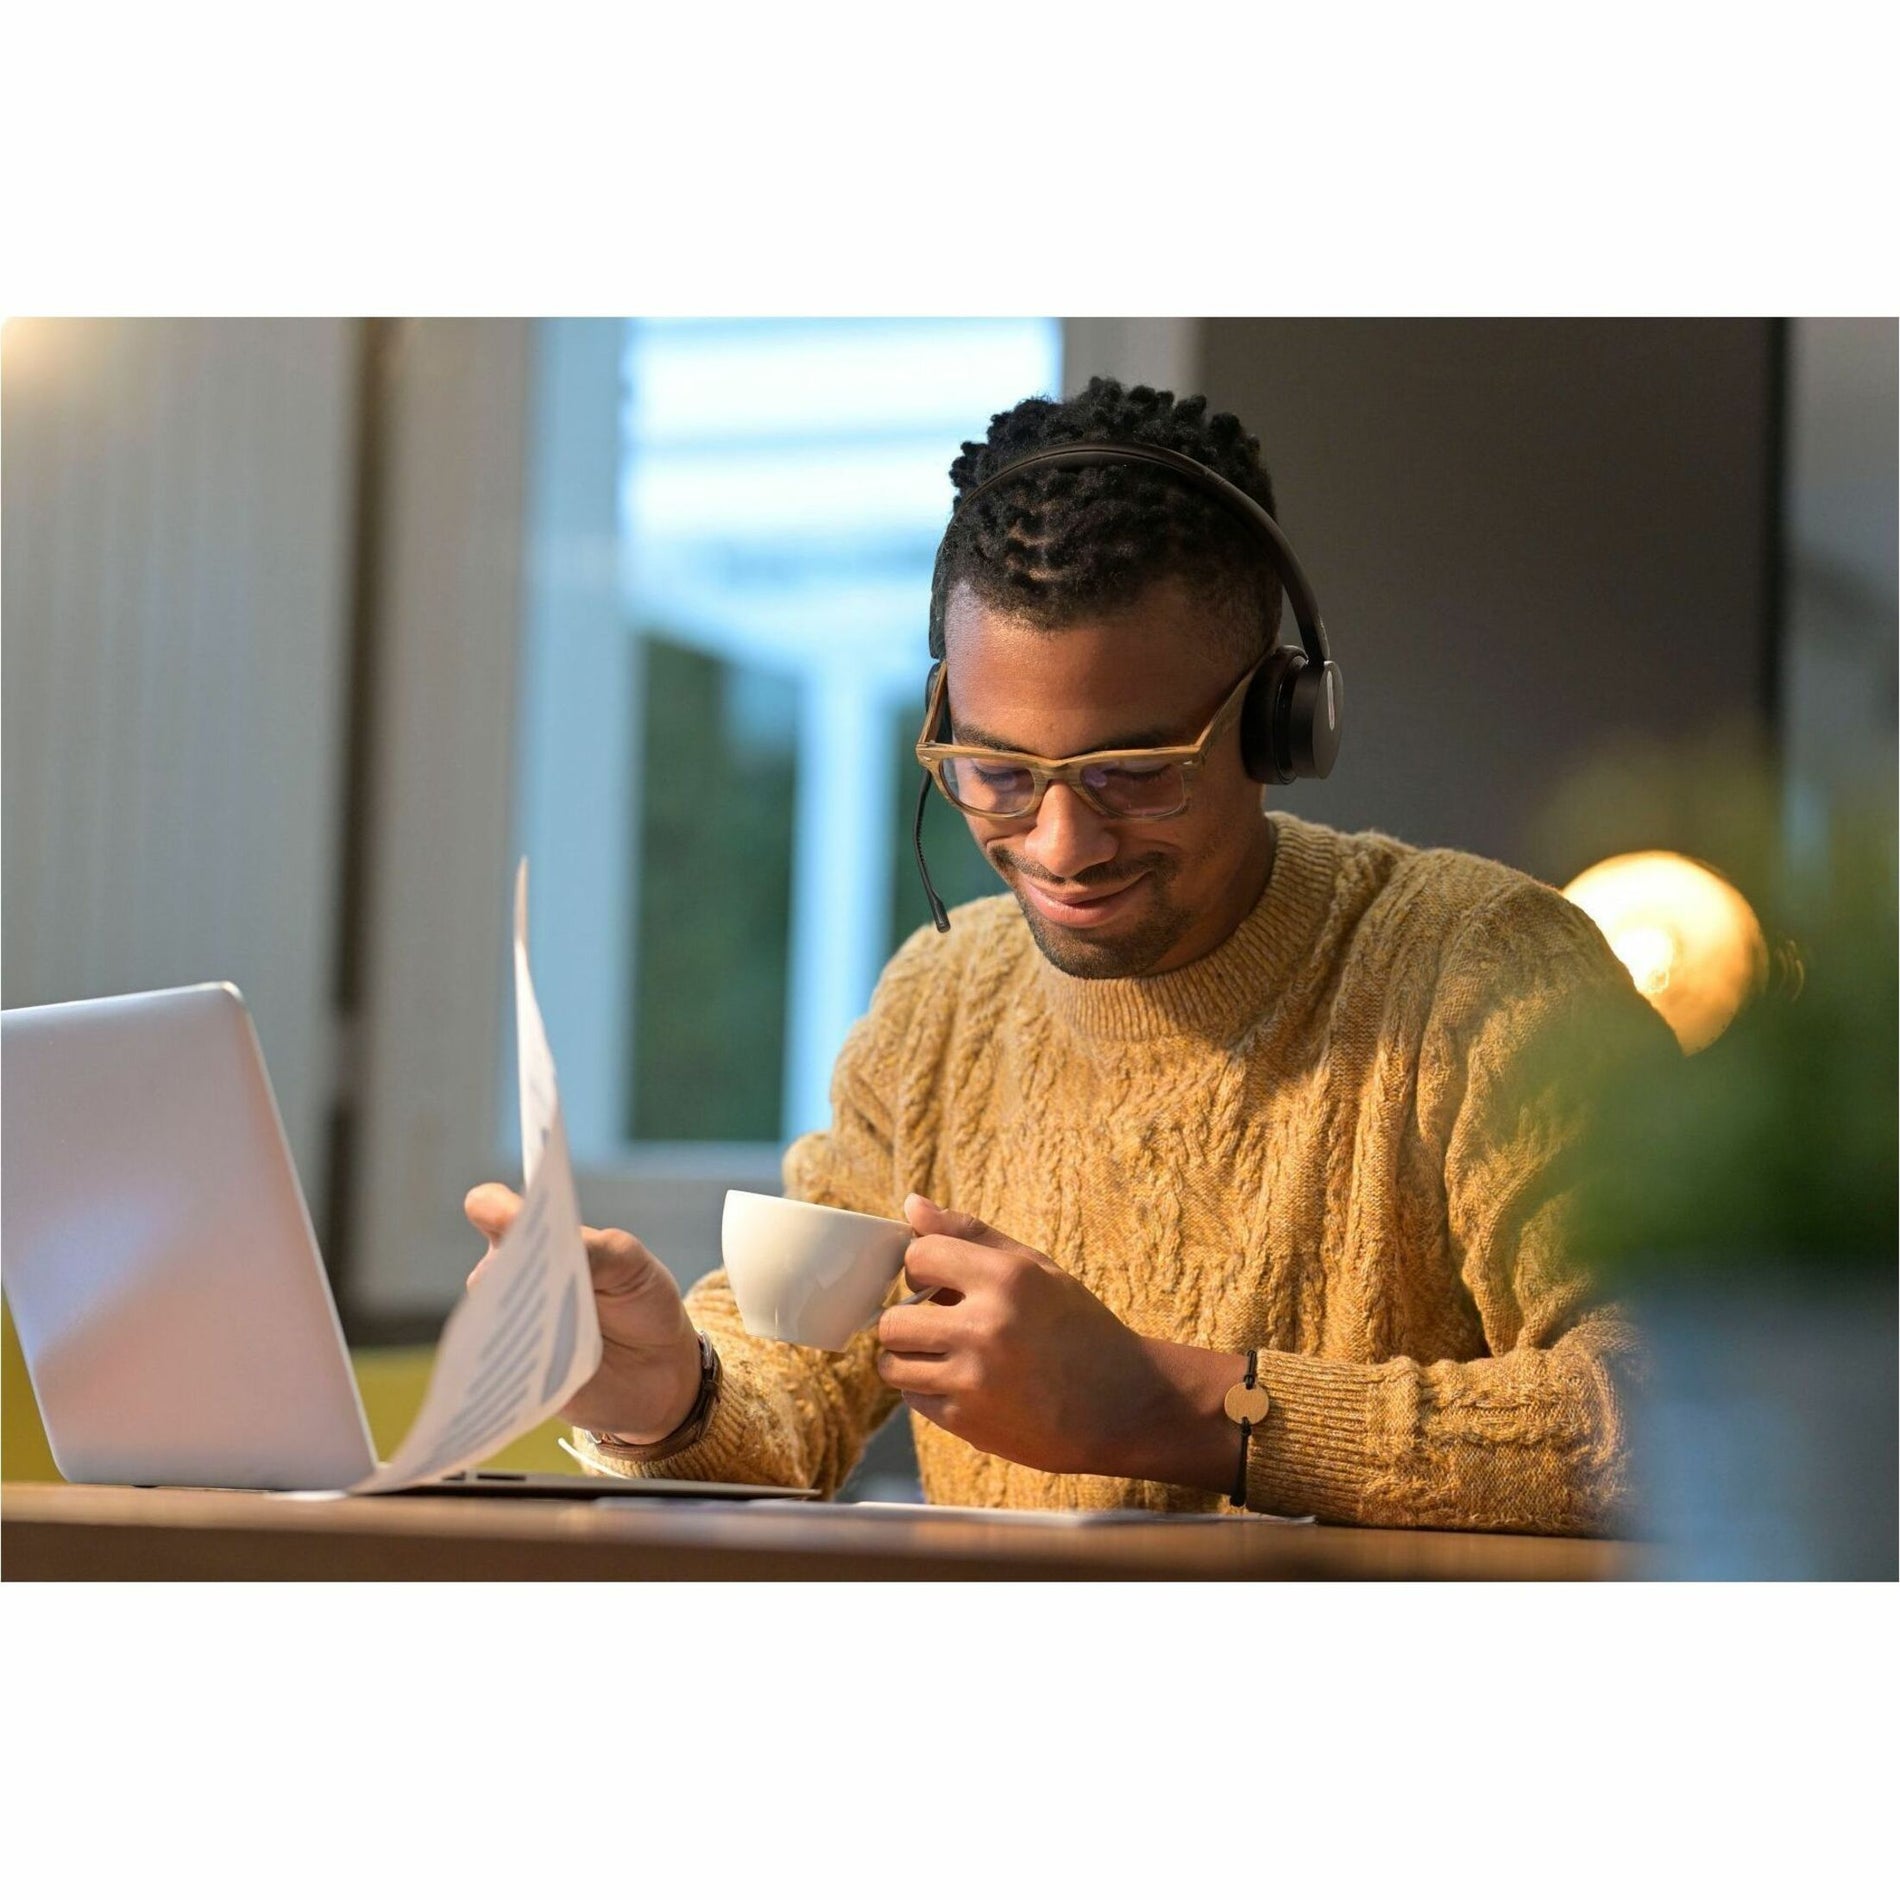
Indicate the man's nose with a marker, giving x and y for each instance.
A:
(1067, 837)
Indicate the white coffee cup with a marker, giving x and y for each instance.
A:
(808, 1274)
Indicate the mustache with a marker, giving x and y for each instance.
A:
(1122, 871)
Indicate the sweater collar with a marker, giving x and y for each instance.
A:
(1237, 983)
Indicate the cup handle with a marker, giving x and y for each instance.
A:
(912, 1299)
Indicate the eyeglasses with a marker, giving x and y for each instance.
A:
(1152, 782)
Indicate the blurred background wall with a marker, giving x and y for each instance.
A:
(311, 627)
(1536, 534)
(178, 543)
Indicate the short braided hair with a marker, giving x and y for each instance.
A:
(1060, 543)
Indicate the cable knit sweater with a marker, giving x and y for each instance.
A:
(1346, 1137)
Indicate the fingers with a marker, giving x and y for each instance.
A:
(928, 1328)
(939, 1261)
(621, 1264)
(491, 1208)
(929, 1374)
(926, 1217)
(939, 1410)
(918, 1347)
(957, 1250)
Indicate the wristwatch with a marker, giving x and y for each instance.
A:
(1247, 1406)
(690, 1430)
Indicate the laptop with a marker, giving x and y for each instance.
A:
(157, 1254)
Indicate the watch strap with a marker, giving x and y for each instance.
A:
(690, 1430)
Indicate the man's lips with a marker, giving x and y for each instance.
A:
(1082, 910)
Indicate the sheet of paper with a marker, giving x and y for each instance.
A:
(523, 1338)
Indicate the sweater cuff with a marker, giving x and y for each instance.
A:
(1310, 1456)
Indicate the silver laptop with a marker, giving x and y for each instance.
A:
(158, 1258)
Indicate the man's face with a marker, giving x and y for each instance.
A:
(1112, 896)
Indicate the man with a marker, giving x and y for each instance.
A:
(1212, 1100)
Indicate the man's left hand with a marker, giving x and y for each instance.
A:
(1014, 1356)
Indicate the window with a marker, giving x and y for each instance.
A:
(723, 669)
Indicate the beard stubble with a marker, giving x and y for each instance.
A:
(1132, 952)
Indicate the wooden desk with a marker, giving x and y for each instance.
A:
(68, 1532)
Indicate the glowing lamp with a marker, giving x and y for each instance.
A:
(1687, 937)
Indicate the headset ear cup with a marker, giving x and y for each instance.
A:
(1315, 709)
(1262, 717)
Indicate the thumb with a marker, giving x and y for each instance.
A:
(491, 1209)
(926, 1217)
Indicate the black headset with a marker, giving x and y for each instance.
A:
(1289, 725)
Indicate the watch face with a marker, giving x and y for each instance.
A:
(1246, 1404)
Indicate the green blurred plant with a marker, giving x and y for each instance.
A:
(715, 905)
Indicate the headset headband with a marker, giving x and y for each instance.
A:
(1216, 487)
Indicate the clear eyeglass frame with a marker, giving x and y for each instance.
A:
(935, 756)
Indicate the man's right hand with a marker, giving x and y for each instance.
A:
(649, 1359)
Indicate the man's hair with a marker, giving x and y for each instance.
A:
(1056, 544)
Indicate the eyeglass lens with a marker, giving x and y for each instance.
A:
(1133, 789)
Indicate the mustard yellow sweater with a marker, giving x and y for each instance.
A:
(1346, 1137)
